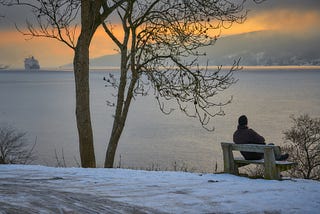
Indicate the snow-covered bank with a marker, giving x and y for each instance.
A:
(39, 189)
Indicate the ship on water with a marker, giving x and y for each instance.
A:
(31, 63)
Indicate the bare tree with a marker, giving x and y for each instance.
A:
(14, 147)
(58, 19)
(159, 51)
(159, 37)
(303, 145)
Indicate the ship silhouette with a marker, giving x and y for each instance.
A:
(31, 63)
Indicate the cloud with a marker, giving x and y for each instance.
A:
(14, 15)
(295, 16)
(289, 20)
(299, 22)
(270, 5)
(291, 16)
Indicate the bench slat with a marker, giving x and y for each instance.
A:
(248, 147)
(241, 160)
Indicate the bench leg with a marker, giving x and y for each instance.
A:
(228, 160)
(270, 170)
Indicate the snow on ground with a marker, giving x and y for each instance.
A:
(39, 189)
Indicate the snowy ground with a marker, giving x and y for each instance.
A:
(39, 189)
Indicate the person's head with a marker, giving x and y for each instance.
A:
(243, 120)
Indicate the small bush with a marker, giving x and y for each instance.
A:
(302, 142)
(14, 147)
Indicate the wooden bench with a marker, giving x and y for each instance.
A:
(272, 168)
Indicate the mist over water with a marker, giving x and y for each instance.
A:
(42, 104)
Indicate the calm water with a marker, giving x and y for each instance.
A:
(42, 104)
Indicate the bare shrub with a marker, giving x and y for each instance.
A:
(254, 171)
(14, 147)
(302, 142)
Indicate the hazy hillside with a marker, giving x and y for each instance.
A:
(256, 48)
(266, 48)
(103, 61)
(107, 60)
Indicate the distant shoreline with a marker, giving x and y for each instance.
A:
(311, 67)
(251, 67)
(245, 67)
(97, 68)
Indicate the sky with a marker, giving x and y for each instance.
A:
(295, 17)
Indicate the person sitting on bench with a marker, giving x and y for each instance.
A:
(245, 135)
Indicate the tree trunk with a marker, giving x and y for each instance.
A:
(112, 146)
(81, 73)
(119, 122)
(122, 108)
(89, 24)
(125, 89)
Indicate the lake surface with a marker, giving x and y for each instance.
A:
(42, 104)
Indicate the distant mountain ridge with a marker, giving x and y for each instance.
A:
(106, 60)
(264, 48)
(112, 60)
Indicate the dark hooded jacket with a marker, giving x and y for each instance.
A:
(244, 135)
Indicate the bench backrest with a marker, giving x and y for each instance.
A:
(248, 147)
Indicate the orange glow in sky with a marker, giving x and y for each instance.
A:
(51, 53)
(279, 20)
(102, 44)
